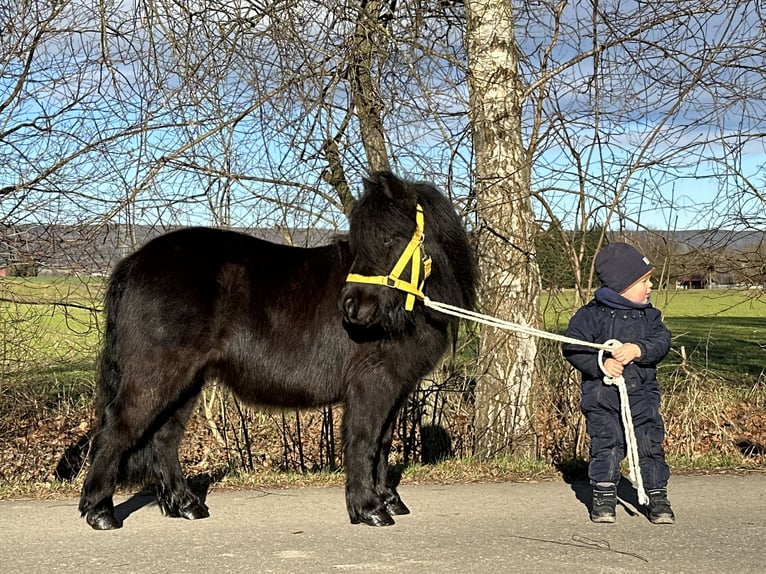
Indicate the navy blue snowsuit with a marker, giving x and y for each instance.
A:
(611, 316)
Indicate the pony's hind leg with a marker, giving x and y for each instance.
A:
(123, 444)
(122, 427)
(174, 496)
(107, 451)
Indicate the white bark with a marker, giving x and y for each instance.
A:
(510, 283)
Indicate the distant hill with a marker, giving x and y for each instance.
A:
(69, 249)
(714, 239)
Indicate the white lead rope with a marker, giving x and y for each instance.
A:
(518, 327)
(631, 444)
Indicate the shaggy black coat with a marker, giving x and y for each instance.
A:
(279, 326)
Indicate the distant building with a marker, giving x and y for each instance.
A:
(693, 282)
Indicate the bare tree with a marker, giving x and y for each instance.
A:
(639, 108)
(549, 115)
(510, 284)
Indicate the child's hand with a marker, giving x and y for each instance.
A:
(613, 368)
(626, 353)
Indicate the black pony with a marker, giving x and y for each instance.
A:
(279, 326)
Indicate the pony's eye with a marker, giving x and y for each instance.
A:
(388, 241)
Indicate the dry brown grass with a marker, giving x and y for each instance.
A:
(711, 424)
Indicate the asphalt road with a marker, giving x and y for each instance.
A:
(482, 528)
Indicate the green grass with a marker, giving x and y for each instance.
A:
(723, 331)
(51, 329)
(728, 345)
(720, 331)
(50, 323)
(452, 471)
(706, 462)
(53, 326)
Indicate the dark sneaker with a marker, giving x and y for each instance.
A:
(659, 507)
(604, 503)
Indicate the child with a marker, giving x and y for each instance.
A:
(621, 310)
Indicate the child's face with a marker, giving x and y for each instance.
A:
(640, 290)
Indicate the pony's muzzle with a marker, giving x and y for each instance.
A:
(357, 308)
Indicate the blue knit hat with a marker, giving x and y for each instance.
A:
(619, 265)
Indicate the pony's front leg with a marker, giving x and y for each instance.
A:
(363, 426)
(385, 489)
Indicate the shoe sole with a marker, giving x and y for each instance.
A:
(603, 519)
(662, 520)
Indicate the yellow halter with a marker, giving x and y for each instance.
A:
(413, 252)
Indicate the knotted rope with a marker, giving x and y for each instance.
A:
(631, 444)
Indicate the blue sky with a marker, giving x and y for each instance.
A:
(688, 188)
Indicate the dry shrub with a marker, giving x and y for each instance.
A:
(43, 436)
(557, 421)
(44, 427)
(705, 416)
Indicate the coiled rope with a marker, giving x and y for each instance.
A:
(631, 444)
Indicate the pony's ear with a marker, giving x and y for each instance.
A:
(389, 185)
(369, 183)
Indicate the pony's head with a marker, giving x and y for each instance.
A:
(395, 228)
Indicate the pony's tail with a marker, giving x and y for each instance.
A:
(109, 373)
(136, 468)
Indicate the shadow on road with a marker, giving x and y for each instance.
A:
(626, 494)
(200, 485)
(134, 503)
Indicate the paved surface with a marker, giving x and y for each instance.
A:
(483, 528)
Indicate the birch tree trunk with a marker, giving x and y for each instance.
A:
(510, 281)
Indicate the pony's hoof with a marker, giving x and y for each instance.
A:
(377, 517)
(194, 511)
(396, 507)
(103, 521)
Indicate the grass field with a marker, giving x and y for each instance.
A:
(50, 332)
(54, 324)
(720, 331)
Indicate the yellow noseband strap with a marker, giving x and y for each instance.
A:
(413, 254)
